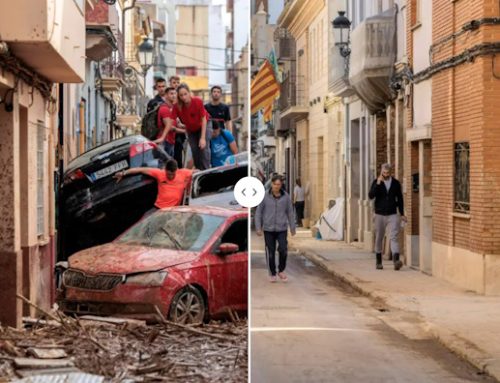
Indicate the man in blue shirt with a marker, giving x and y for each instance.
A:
(222, 145)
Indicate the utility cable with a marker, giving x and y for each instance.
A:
(165, 42)
(192, 58)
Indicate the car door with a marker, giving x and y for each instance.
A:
(236, 264)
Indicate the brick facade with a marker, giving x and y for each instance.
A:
(465, 108)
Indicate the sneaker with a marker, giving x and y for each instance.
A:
(273, 279)
(283, 276)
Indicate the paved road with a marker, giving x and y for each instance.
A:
(312, 329)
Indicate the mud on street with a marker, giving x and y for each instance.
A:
(120, 350)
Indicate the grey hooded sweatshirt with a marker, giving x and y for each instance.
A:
(275, 214)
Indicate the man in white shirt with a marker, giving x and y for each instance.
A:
(299, 200)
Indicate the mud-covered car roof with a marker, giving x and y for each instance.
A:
(212, 210)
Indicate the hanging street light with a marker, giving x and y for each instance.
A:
(146, 53)
(342, 29)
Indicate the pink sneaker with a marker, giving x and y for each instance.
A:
(273, 279)
(283, 277)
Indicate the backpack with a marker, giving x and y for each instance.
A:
(149, 123)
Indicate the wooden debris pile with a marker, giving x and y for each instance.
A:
(122, 350)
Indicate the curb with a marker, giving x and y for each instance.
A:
(463, 348)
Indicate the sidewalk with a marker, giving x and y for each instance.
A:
(466, 323)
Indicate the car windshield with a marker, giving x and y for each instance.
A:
(173, 230)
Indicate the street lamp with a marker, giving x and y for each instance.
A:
(342, 29)
(146, 52)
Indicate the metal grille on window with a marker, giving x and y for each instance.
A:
(462, 179)
(40, 165)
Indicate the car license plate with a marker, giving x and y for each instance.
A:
(109, 170)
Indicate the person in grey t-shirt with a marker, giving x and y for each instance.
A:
(272, 218)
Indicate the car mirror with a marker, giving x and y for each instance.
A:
(228, 248)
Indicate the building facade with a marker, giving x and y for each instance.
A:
(42, 43)
(454, 141)
(310, 134)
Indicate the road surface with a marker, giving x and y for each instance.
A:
(313, 329)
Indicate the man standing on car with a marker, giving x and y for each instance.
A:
(273, 217)
(160, 87)
(191, 112)
(218, 111)
(172, 182)
(386, 191)
(180, 138)
(167, 125)
(222, 145)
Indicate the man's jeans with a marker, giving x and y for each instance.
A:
(169, 148)
(270, 238)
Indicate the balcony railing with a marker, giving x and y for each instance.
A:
(373, 54)
(284, 42)
(293, 92)
(112, 68)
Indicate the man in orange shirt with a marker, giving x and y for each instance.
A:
(172, 182)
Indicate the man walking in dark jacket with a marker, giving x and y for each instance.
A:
(388, 200)
(273, 217)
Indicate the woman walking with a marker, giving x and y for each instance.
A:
(191, 112)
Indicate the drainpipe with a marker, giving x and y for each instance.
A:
(346, 130)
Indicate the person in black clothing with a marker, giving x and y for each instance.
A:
(160, 87)
(218, 111)
(386, 191)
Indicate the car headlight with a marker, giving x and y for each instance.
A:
(153, 279)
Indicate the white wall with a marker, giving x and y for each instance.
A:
(422, 38)
(241, 25)
(217, 39)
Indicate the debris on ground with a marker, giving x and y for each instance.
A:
(63, 348)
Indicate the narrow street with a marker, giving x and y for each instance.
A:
(312, 329)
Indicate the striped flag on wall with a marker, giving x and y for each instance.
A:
(264, 90)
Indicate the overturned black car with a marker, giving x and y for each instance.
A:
(94, 209)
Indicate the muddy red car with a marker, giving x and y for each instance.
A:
(190, 262)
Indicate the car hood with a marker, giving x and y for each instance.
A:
(116, 258)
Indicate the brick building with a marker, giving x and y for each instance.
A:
(458, 138)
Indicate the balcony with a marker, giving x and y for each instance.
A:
(102, 29)
(285, 44)
(292, 102)
(112, 75)
(373, 54)
(46, 35)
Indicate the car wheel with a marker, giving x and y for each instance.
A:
(188, 307)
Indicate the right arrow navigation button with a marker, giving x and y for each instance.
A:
(257, 194)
